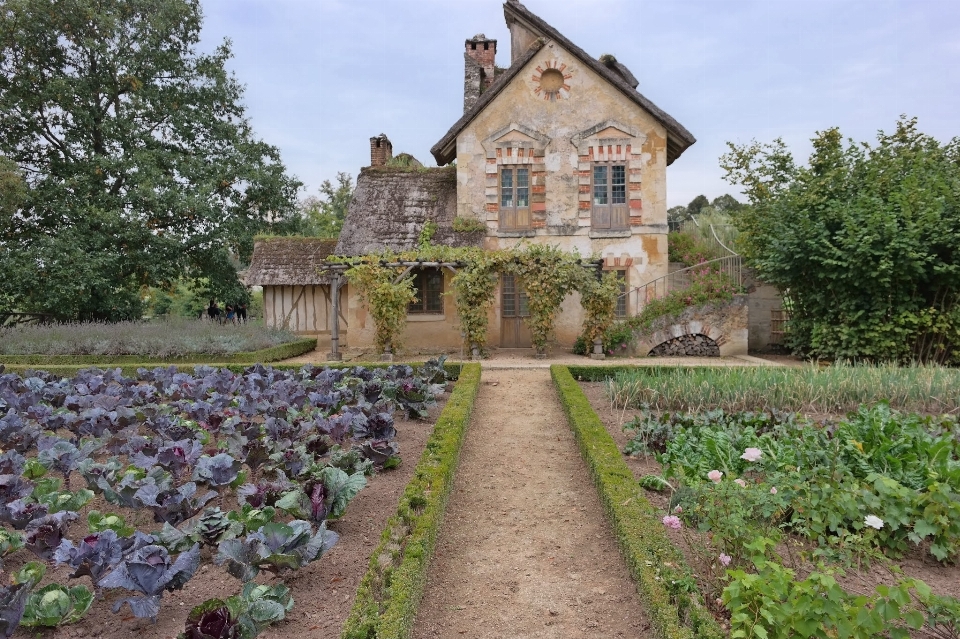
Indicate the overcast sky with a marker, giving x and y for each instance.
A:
(323, 76)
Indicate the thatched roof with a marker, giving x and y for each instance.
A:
(391, 206)
(288, 261)
(678, 138)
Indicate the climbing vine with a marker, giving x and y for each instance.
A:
(599, 300)
(387, 298)
(547, 273)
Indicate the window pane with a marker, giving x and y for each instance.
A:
(506, 187)
(433, 295)
(621, 309)
(509, 294)
(416, 306)
(599, 185)
(523, 188)
(619, 187)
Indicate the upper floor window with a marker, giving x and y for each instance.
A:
(428, 284)
(514, 197)
(610, 209)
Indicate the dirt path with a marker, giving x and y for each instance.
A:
(525, 550)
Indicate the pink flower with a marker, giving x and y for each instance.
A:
(751, 454)
(678, 508)
(714, 476)
(773, 491)
(740, 482)
(724, 559)
(672, 521)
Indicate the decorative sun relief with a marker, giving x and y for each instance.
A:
(551, 81)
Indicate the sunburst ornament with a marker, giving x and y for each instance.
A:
(550, 80)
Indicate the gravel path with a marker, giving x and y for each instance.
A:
(525, 550)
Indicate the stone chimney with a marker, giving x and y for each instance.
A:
(381, 151)
(479, 55)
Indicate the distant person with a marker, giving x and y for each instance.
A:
(231, 314)
(242, 313)
(213, 311)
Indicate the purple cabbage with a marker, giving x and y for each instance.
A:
(149, 571)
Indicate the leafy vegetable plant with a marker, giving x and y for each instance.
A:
(275, 547)
(56, 605)
(150, 571)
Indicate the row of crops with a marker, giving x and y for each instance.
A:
(775, 509)
(286, 451)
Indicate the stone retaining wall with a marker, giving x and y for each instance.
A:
(687, 346)
(726, 325)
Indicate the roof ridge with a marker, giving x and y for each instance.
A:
(682, 138)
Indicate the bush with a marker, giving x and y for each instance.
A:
(865, 239)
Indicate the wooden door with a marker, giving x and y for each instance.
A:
(514, 332)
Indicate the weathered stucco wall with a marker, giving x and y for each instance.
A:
(553, 136)
(424, 332)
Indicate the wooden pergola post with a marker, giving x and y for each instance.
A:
(336, 282)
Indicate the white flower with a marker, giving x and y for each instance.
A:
(751, 454)
(714, 476)
(773, 491)
(678, 508)
(873, 521)
(740, 482)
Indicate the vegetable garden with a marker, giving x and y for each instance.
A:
(132, 486)
(847, 525)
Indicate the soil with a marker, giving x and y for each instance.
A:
(944, 579)
(525, 550)
(323, 591)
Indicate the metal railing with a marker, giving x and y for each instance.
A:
(640, 296)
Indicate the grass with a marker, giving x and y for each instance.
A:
(663, 579)
(390, 592)
(810, 389)
(171, 338)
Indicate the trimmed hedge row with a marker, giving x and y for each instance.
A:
(601, 373)
(657, 566)
(390, 592)
(272, 354)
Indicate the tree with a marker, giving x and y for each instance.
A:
(696, 204)
(865, 241)
(323, 216)
(140, 165)
(726, 204)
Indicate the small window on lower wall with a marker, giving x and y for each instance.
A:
(620, 311)
(428, 285)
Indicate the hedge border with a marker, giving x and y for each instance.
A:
(272, 354)
(653, 561)
(390, 592)
(601, 373)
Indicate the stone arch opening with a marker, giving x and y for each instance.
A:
(693, 345)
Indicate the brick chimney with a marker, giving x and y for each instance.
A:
(479, 56)
(381, 151)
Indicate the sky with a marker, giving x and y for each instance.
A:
(323, 76)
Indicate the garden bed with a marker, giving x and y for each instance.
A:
(860, 578)
(167, 341)
(323, 590)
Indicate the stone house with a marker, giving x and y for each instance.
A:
(559, 148)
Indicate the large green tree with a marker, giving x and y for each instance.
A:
(140, 165)
(865, 241)
(323, 216)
